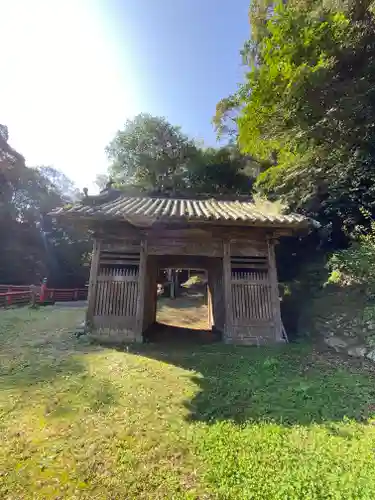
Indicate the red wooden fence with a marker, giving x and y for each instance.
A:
(16, 295)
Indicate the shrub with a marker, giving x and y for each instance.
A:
(356, 264)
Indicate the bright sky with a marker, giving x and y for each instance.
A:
(75, 70)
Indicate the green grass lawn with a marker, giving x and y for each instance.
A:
(209, 421)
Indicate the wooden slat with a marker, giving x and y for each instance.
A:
(121, 255)
(261, 299)
(254, 260)
(252, 281)
(129, 297)
(249, 266)
(259, 302)
(107, 277)
(248, 301)
(250, 296)
(275, 301)
(254, 322)
(101, 299)
(227, 289)
(135, 296)
(122, 307)
(105, 294)
(141, 287)
(234, 302)
(119, 262)
(244, 305)
(114, 290)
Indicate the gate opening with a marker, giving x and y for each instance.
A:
(183, 312)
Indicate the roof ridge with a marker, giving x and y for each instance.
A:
(143, 209)
(111, 193)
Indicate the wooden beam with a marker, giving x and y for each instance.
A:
(274, 289)
(94, 270)
(141, 290)
(227, 291)
(208, 248)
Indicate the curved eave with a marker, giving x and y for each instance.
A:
(294, 223)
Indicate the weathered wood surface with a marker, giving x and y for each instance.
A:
(122, 229)
(208, 248)
(141, 289)
(150, 301)
(242, 278)
(227, 292)
(184, 247)
(215, 284)
(117, 293)
(183, 262)
(258, 334)
(188, 240)
(252, 302)
(122, 245)
(250, 262)
(274, 290)
(94, 270)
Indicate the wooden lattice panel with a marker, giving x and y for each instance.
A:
(251, 291)
(116, 293)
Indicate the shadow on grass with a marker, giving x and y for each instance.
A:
(55, 367)
(291, 384)
(178, 335)
(28, 370)
(62, 381)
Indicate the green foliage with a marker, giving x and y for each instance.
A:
(83, 421)
(306, 111)
(356, 264)
(221, 171)
(268, 207)
(31, 246)
(151, 153)
(307, 105)
(335, 277)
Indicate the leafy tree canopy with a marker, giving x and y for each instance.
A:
(151, 153)
(307, 105)
(30, 248)
(154, 155)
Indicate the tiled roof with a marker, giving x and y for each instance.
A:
(146, 210)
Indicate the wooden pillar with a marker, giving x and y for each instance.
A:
(175, 283)
(141, 291)
(276, 313)
(149, 316)
(94, 270)
(227, 278)
(154, 292)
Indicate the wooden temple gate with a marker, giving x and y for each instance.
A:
(135, 236)
(242, 289)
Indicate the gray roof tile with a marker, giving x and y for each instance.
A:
(150, 209)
